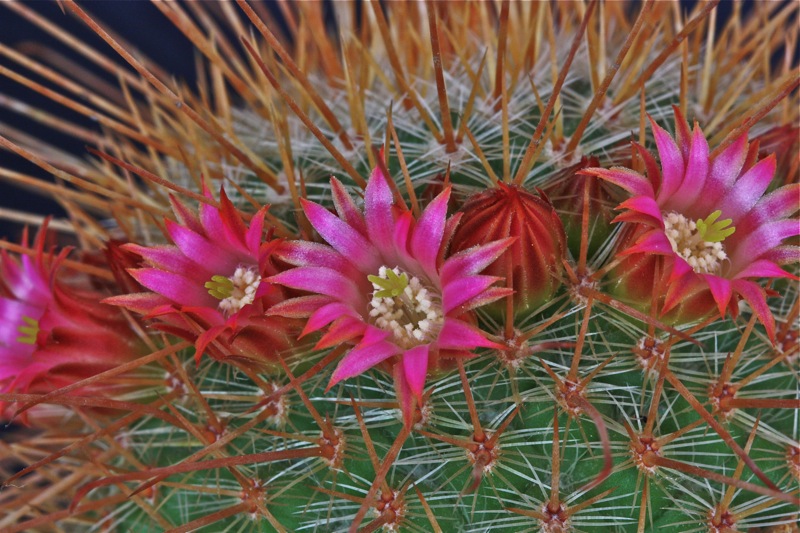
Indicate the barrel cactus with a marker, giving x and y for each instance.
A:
(411, 266)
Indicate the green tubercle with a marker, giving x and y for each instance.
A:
(713, 230)
(220, 287)
(393, 285)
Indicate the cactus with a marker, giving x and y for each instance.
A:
(592, 380)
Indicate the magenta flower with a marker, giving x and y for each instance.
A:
(383, 285)
(709, 218)
(208, 287)
(54, 333)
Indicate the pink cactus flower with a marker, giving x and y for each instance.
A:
(709, 217)
(54, 332)
(208, 287)
(383, 285)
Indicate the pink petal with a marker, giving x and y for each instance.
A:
(762, 240)
(402, 229)
(304, 253)
(725, 169)
(473, 260)
(174, 286)
(428, 233)
(202, 251)
(168, 258)
(763, 268)
(782, 202)
(653, 241)
(141, 302)
(325, 315)
(757, 298)
(342, 330)
(778, 204)
(672, 164)
(346, 240)
(360, 359)
(748, 189)
(231, 219)
(697, 166)
(206, 338)
(682, 134)
(255, 232)
(346, 208)
(321, 280)
(488, 296)
(721, 290)
(404, 395)
(460, 290)
(631, 181)
(300, 307)
(458, 335)
(646, 205)
(680, 289)
(415, 366)
(378, 201)
(185, 215)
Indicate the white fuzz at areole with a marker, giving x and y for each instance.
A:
(245, 284)
(413, 317)
(703, 256)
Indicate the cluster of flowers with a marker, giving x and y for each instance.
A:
(400, 291)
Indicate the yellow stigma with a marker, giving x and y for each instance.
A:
(29, 332)
(220, 287)
(713, 230)
(393, 284)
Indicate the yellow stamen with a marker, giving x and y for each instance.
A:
(393, 285)
(713, 230)
(29, 332)
(220, 287)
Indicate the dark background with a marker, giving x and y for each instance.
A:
(136, 21)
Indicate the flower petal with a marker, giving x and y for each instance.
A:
(427, 237)
(763, 268)
(646, 205)
(748, 189)
(697, 166)
(630, 180)
(458, 335)
(201, 250)
(654, 241)
(672, 164)
(473, 260)
(325, 315)
(346, 208)
(721, 290)
(415, 366)
(342, 330)
(757, 298)
(173, 286)
(378, 202)
(462, 289)
(344, 239)
(725, 168)
(360, 359)
(321, 280)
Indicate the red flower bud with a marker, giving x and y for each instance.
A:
(532, 264)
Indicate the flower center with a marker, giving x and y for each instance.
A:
(699, 242)
(403, 306)
(29, 330)
(236, 291)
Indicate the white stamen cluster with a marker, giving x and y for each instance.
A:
(413, 317)
(703, 256)
(245, 284)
